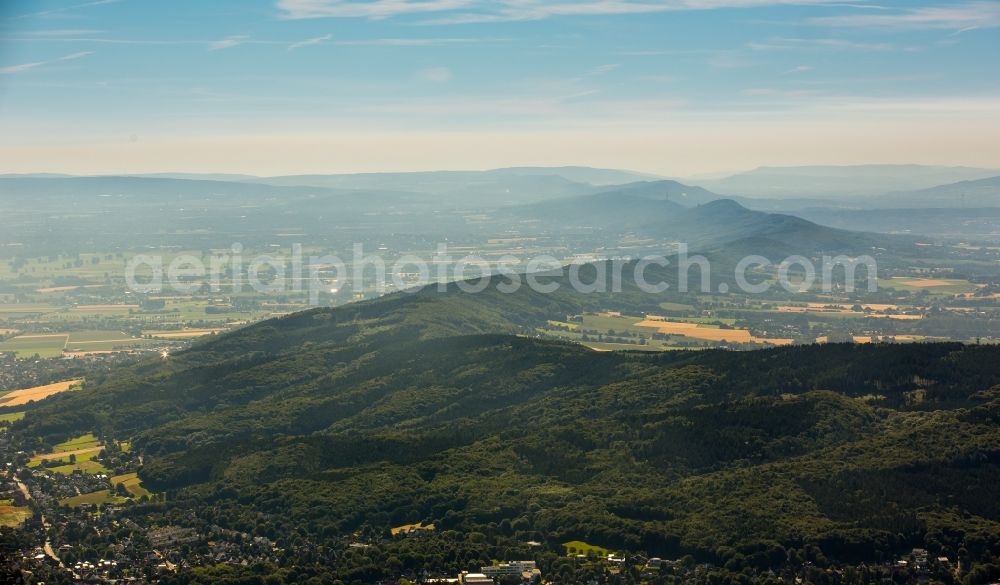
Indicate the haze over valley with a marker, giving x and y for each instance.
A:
(398, 292)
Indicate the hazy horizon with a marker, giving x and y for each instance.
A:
(672, 88)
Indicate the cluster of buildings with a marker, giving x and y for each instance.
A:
(526, 571)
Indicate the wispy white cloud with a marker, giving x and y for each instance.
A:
(483, 11)
(957, 16)
(228, 42)
(65, 32)
(72, 56)
(800, 44)
(310, 42)
(19, 68)
(416, 42)
(435, 74)
(799, 69)
(63, 9)
(298, 9)
(28, 66)
(603, 69)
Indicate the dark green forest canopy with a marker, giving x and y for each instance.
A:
(431, 407)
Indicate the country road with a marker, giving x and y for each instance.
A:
(47, 545)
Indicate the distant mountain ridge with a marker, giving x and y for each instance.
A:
(707, 221)
(963, 194)
(840, 181)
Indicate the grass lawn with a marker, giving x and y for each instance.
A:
(101, 341)
(13, 516)
(931, 285)
(676, 307)
(82, 442)
(85, 448)
(602, 323)
(132, 484)
(11, 417)
(578, 547)
(96, 498)
(85, 456)
(46, 346)
(91, 467)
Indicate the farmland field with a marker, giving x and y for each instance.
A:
(932, 285)
(578, 547)
(182, 333)
(699, 331)
(87, 466)
(82, 442)
(10, 417)
(95, 498)
(26, 395)
(25, 308)
(13, 516)
(84, 448)
(132, 484)
(45, 345)
(101, 341)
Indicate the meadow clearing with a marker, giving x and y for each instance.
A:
(948, 286)
(579, 547)
(83, 449)
(183, 333)
(868, 310)
(26, 395)
(708, 333)
(9, 417)
(45, 345)
(13, 516)
(132, 484)
(95, 498)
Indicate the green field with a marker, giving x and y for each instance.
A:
(676, 307)
(578, 547)
(132, 484)
(8, 309)
(80, 457)
(28, 345)
(945, 286)
(602, 323)
(82, 442)
(13, 516)
(88, 466)
(96, 498)
(11, 417)
(101, 341)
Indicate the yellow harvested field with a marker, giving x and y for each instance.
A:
(54, 289)
(7, 332)
(835, 307)
(879, 310)
(182, 334)
(898, 338)
(84, 352)
(696, 331)
(19, 397)
(14, 516)
(105, 307)
(928, 282)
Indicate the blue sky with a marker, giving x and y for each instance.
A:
(670, 86)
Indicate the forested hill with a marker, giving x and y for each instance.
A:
(384, 413)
